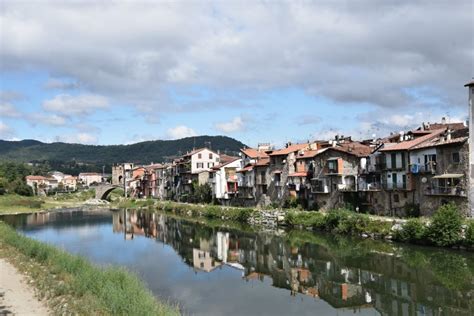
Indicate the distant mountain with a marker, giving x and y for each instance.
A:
(143, 152)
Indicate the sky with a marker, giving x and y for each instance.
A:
(120, 72)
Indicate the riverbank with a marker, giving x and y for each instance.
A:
(446, 229)
(72, 285)
(15, 204)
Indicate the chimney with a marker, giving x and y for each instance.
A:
(402, 133)
(448, 135)
(443, 120)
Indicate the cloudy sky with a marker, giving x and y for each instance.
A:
(120, 72)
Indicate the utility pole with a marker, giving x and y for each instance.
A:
(470, 86)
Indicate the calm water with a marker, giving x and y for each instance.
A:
(211, 270)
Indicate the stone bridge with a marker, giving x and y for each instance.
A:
(103, 190)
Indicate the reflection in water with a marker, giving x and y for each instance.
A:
(324, 268)
(295, 272)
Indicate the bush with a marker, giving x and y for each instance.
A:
(308, 219)
(334, 217)
(469, 240)
(446, 226)
(414, 230)
(21, 188)
(412, 210)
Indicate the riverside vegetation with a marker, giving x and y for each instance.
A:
(447, 228)
(72, 285)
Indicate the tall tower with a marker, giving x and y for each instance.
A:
(470, 86)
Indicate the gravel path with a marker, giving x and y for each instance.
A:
(16, 297)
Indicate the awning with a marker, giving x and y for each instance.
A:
(333, 158)
(277, 171)
(449, 176)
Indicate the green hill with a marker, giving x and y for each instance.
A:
(92, 155)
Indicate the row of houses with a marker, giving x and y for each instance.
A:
(58, 181)
(416, 170)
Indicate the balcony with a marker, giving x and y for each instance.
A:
(423, 168)
(447, 191)
(395, 186)
(373, 186)
(347, 187)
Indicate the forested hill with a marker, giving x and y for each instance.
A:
(143, 152)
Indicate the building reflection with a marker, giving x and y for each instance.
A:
(376, 280)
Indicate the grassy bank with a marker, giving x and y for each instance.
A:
(447, 228)
(13, 203)
(72, 285)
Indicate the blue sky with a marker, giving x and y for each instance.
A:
(266, 72)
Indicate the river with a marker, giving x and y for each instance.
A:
(211, 268)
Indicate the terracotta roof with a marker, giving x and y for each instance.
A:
(225, 163)
(155, 166)
(298, 174)
(453, 126)
(409, 144)
(354, 148)
(263, 162)
(254, 153)
(246, 168)
(441, 142)
(89, 174)
(289, 149)
(226, 158)
(307, 154)
(36, 178)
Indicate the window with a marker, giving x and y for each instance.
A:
(332, 166)
(393, 159)
(396, 198)
(264, 189)
(199, 156)
(210, 155)
(200, 165)
(456, 158)
(277, 177)
(210, 164)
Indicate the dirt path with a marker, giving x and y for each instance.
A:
(16, 297)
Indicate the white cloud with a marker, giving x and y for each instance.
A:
(180, 131)
(235, 125)
(47, 119)
(8, 110)
(79, 138)
(347, 52)
(5, 131)
(69, 105)
(58, 84)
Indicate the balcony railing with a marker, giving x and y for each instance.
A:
(395, 186)
(423, 168)
(347, 187)
(373, 186)
(451, 191)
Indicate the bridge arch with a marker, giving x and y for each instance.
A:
(102, 191)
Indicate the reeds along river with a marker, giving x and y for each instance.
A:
(208, 269)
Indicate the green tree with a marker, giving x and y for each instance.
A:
(446, 226)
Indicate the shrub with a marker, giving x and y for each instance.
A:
(469, 240)
(21, 188)
(334, 217)
(446, 226)
(414, 230)
(412, 210)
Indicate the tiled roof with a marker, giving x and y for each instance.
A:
(262, 162)
(225, 163)
(441, 142)
(89, 174)
(308, 154)
(246, 168)
(289, 149)
(254, 153)
(354, 148)
(409, 144)
(195, 151)
(36, 178)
